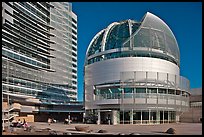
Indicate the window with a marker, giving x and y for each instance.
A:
(74, 37)
(74, 54)
(22, 58)
(74, 43)
(140, 90)
(73, 31)
(151, 90)
(74, 71)
(162, 91)
(16, 56)
(171, 91)
(128, 92)
(178, 92)
(74, 20)
(195, 104)
(74, 26)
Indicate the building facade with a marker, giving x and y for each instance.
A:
(39, 57)
(65, 62)
(132, 74)
(194, 114)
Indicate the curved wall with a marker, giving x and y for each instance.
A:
(110, 71)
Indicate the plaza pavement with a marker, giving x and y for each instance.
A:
(181, 128)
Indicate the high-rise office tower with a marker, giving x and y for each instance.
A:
(39, 54)
(65, 62)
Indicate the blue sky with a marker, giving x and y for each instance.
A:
(184, 19)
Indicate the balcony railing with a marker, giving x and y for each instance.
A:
(10, 115)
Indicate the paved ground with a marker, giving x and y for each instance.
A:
(181, 128)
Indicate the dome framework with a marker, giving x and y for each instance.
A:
(149, 38)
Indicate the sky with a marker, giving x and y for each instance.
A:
(184, 19)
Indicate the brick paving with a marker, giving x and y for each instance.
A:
(181, 128)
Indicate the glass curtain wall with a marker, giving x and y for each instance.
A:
(147, 116)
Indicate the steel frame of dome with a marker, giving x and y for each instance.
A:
(135, 84)
(167, 47)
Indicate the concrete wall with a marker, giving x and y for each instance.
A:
(5, 105)
(195, 112)
(192, 116)
(110, 70)
(15, 105)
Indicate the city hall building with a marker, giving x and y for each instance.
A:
(132, 74)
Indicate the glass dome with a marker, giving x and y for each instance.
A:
(149, 38)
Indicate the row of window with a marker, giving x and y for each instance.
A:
(129, 54)
(32, 12)
(28, 31)
(22, 19)
(40, 8)
(63, 27)
(140, 90)
(66, 86)
(23, 46)
(62, 11)
(196, 104)
(140, 95)
(23, 51)
(23, 59)
(48, 92)
(32, 18)
(25, 42)
(59, 17)
(25, 38)
(16, 70)
(25, 83)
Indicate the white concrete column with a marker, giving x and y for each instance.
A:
(149, 116)
(123, 116)
(163, 116)
(158, 116)
(168, 116)
(141, 116)
(84, 115)
(99, 118)
(131, 116)
(114, 117)
(177, 117)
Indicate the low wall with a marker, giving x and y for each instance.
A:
(28, 118)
